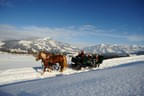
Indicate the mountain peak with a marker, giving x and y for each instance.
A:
(36, 45)
(45, 38)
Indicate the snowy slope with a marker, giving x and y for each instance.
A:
(1, 44)
(28, 46)
(11, 61)
(14, 68)
(114, 49)
(118, 77)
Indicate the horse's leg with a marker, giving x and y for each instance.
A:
(44, 69)
(98, 64)
(62, 67)
(49, 68)
(64, 63)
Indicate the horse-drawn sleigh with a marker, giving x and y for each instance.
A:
(81, 60)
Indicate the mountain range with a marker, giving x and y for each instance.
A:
(48, 44)
(115, 50)
(35, 45)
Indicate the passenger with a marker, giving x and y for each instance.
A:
(81, 54)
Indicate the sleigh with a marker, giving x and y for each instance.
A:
(92, 61)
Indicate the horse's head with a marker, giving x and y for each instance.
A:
(40, 55)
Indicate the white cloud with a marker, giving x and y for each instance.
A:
(71, 34)
(136, 38)
(12, 32)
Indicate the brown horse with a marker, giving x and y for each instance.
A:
(42, 55)
(50, 59)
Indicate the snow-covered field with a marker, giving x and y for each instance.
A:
(20, 75)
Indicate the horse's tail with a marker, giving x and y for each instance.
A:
(65, 62)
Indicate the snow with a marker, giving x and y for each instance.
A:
(11, 61)
(1, 43)
(114, 48)
(52, 43)
(20, 75)
(46, 38)
(35, 45)
(25, 43)
(18, 50)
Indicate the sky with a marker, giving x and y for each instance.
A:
(77, 22)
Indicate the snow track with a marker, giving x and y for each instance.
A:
(23, 72)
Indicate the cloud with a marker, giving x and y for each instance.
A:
(136, 38)
(77, 35)
(13, 32)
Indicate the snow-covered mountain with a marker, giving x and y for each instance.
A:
(28, 46)
(119, 50)
(1, 43)
(35, 45)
